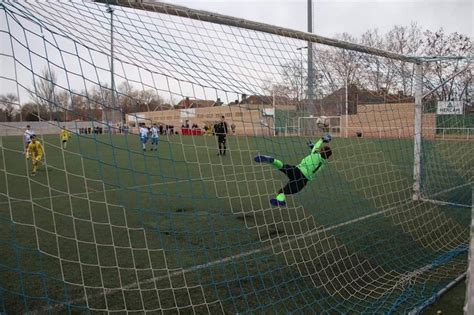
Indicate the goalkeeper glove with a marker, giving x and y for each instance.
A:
(327, 138)
(310, 145)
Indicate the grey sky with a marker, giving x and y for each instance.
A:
(351, 16)
(181, 58)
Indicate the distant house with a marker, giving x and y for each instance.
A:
(156, 106)
(163, 107)
(196, 103)
(334, 104)
(256, 100)
(259, 100)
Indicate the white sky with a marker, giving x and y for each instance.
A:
(330, 17)
(351, 16)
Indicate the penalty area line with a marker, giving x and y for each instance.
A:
(224, 260)
(66, 195)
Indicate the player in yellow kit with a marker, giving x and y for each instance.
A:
(64, 135)
(35, 151)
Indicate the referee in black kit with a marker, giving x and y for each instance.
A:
(221, 129)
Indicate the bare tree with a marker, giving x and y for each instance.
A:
(344, 65)
(404, 40)
(294, 79)
(148, 100)
(278, 90)
(44, 91)
(34, 112)
(78, 106)
(414, 48)
(100, 98)
(441, 44)
(63, 100)
(127, 99)
(10, 105)
(374, 66)
(97, 101)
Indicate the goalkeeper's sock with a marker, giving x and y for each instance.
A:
(269, 159)
(279, 200)
(278, 164)
(35, 167)
(281, 197)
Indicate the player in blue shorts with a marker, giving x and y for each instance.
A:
(155, 136)
(143, 136)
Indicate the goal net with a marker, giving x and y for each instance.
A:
(111, 222)
(315, 126)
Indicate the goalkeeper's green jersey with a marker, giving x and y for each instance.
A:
(312, 164)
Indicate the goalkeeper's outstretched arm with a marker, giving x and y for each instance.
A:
(316, 146)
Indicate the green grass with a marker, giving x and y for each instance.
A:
(451, 303)
(105, 214)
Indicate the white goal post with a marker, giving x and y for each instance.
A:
(469, 303)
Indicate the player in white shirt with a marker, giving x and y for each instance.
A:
(155, 135)
(27, 138)
(144, 136)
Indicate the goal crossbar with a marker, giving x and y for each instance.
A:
(201, 15)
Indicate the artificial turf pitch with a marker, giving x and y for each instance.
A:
(183, 229)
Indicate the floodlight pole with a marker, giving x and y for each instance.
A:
(274, 113)
(311, 106)
(301, 71)
(347, 105)
(112, 80)
(418, 130)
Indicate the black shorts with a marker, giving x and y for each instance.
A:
(221, 138)
(297, 179)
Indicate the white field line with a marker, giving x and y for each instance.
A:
(417, 310)
(65, 194)
(450, 189)
(215, 262)
(445, 203)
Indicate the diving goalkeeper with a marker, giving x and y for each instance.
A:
(300, 174)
